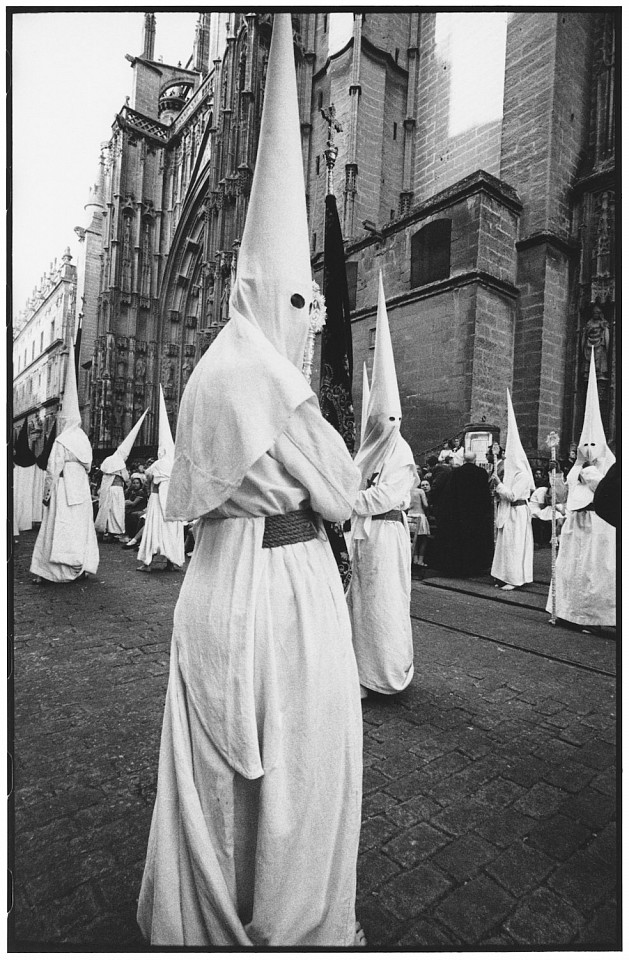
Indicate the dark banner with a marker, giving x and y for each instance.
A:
(335, 385)
(23, 456)
(42, 459)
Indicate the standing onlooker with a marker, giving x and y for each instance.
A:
(418, 523)
(458, 453)
(446, 451)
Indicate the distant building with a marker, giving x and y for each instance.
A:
(42, 337)
(90, 235)
(476, 169)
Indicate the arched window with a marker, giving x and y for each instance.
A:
(430, 253)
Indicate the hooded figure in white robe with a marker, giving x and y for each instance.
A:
(161, 537)
(66, 546)
(255, 830)
(513, 553)
(380, 592)
(585, 572)
(110, 518)
(24, 475)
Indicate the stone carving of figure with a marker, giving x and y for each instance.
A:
(170, 373)
(109, 350)
(140, 369)
(126, 255)
(187, 370)
(100, 358)
(595, 337)
(146, 260)
(119, 413)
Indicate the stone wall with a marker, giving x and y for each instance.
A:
(543, 139)
(442, 159)
(453, 339)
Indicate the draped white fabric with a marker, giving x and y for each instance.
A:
(38, 492)
(23, 482)
(255, 830)
(586, 567)
(66, 544)
(380, 590)
(161, 537)
(110, 517)
(513, 554)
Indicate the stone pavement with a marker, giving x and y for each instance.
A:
(489, 790)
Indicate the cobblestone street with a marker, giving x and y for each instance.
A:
(489, 789)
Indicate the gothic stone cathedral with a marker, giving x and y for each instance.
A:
(489, 209)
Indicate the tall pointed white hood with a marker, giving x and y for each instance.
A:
(592, 450)
(384, 411)
(165, 442)
(244, 390)
(518, 475)
(70, 415)
(117, 461)
(70, 432)
(273, 288)
(162, 468)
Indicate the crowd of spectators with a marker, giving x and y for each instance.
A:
(428, 503)
(136, 491)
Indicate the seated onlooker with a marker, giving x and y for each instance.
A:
(540, 478)
(541, 506)
(135, 504)
(431, 463)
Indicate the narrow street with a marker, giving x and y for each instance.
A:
(489, 788)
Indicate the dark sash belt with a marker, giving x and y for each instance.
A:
(294, 527)
(518, 503)
(389, 515)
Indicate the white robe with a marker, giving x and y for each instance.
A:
(38, 494)
(110, 517)
(513, 554)
(66, 545)
(160, 536)
(379, 596)
(255, 830)
(23, 482)
(585, 572)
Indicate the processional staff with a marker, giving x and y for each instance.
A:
(495, 449)
(552, 440)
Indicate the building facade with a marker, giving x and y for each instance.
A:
(43, 334)
(475, 169)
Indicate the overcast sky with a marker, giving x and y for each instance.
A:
(70, 78)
